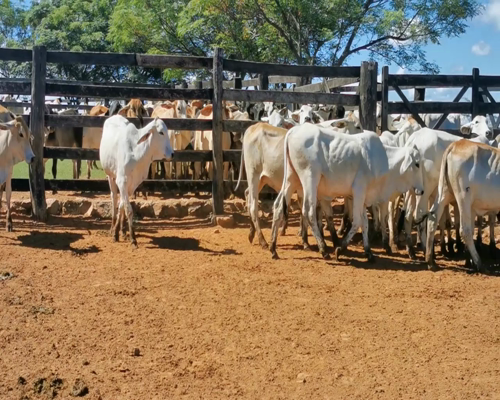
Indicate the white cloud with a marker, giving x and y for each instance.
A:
(481, 49)
(492, 13)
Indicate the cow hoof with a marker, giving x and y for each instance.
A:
(370, 257)
(388, 249)
(432, 267)
(133, 244)
(264, 246)
(283, 232)
(275, 256)
(306, 246)
(326, 256)
(394, 248)
(411, 253)
(338, 252)
(251, 236)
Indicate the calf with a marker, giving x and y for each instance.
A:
(126, 154)
(15, 146)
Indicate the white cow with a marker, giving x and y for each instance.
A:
(15, 109)
(15, 146)
(327, 164)
(126, 154)
(262, 158)
(470, 175)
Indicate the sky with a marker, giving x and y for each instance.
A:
(479, 48)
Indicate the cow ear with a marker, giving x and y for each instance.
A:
(466, 129)
(316, 118)
(145, 137)
(406, 163)
(296, 116)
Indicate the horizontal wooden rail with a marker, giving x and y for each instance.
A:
(129, 59)
(86, 121)
(290, 97)
(19, 55)
(158, 186)
(291, 70)
(237, 126)
(113, 92)
(431, 107)
(71, 153)
(9, 86)
(426, 80)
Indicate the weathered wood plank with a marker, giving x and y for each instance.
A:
(250, 82)
(36, 169)
(290, 97)
(284, 79)
(368, 95)
(237, 126)
(434, 107)
(72, 153)
(217, 108)
(128, 59)
(9, 86)
(426, 80)
(180, 124)
(475, 92)
(113, 92)
(291, 70)
(385, 99)
(19, 55)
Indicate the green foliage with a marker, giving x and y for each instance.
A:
(323, 32)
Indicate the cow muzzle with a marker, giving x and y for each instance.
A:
(419, 192)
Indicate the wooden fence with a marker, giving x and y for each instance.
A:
(39, 87)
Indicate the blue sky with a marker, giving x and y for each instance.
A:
(479, 48)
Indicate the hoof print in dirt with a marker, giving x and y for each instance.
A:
(79, 389)
(136, 352)
(21, 381)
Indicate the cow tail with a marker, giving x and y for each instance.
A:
(242, 168)
(285, 171)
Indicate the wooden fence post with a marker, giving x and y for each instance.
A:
(475, 92)
(217, 117)
(368, 95)
(263, 82)
(238, 84)
(385, 99)
(37, 122)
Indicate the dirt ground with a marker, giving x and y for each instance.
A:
(196, 312)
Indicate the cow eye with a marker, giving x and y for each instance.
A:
(417, 165)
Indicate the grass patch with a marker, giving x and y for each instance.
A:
(64, 170)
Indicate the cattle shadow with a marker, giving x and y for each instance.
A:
(185, 244)
(58, 241)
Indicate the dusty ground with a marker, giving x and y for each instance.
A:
(197, 312)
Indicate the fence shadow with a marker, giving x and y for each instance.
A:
(58, 241)
(184, 244)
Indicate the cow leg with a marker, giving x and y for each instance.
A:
(491, 223)
(251, 234)
(119, 220)
(366, 243)
(130, 217)
(346, 217)
(280, 211)
(114, 201)
(253, 208)
(359, 213)
(442, 228)
(458, 238)
(433, 218)
(397, 214)
(54, 168)
(89, 167)
(479, 237)
(467, 229)
(8, 193)
(391, 221)
(410, 207)
(326, 207)
(309, 213)
(383, 212)
(375, 211)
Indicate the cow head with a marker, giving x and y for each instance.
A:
(181, 108)
(478, 126)
(305, 114)
(21, 138)
(411, 168)
(156, 134)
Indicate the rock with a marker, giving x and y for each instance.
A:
(21, 207)
(301, 378)
(216, 230)
(79, 389)
(21, 381)
(100, 209)
(53, 207)
(200, 211)
(39, 385)
(167, 209)
(76, 207)
(137, 352)
(225, 221)
(6, 275)
(146, 210)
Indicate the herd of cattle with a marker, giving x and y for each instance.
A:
(317, 152)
